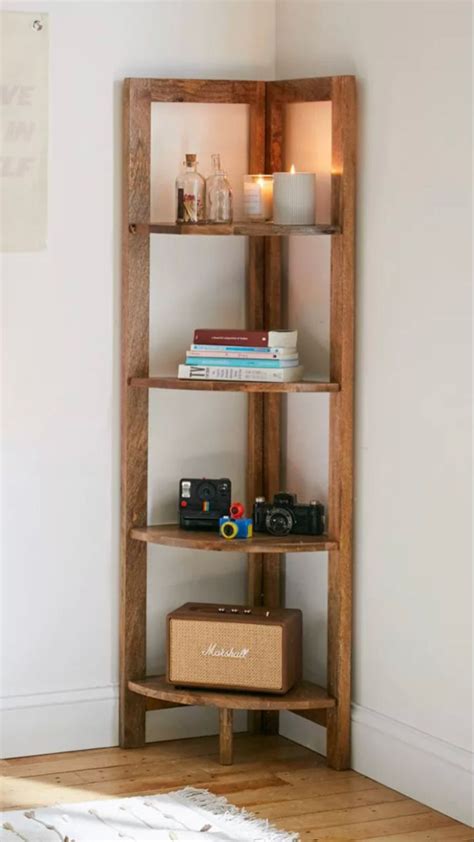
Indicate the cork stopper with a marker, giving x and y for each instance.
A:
(190, 159)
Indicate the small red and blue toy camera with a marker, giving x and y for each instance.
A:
(236, 526)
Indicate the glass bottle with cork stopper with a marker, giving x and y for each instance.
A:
(190, 192)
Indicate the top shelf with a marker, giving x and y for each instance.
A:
(249, 229)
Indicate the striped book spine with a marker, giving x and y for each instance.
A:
(249, 363)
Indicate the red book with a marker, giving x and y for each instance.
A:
(249, 338)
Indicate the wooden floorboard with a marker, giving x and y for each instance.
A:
(271, 776)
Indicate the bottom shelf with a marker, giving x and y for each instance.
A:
(303, 696)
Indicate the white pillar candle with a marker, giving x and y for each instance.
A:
(293, 197)
(258, 197)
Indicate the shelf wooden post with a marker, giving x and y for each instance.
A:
(226, 716)
(272, 563)
(255, 429)
(343, 98)
(255, 321)
(134, 405)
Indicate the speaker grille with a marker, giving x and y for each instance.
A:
(259, 668)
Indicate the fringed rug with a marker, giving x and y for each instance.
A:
(182, 816)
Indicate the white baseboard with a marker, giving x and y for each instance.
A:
(71, 720)
(303, 731)
(419, 765)
(424, 767)
(416, 764)
(68, 720)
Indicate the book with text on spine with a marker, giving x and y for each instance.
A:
(256, 338)
(248, 363)
(264, 375)
(242, 353)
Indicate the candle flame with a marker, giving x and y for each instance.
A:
(292, 169)
(260, 181)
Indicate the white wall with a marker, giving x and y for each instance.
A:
(412, 720)
(60, 372)
(60, 380)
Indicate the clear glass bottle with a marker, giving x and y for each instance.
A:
(218, 194)
(190, 193)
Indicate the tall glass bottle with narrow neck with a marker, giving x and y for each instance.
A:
(218, 193)
(190, 193)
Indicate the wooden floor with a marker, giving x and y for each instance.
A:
(271, 776)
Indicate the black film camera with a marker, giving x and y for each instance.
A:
(285, 515)
(202, 502)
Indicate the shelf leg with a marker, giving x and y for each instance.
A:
(134, 406)
(255, 438)
(225, 736)
(339, 660)
(272, 596)
(133, 646)
(341, 421)
(254, 597)
(132, 721)
(272, 410)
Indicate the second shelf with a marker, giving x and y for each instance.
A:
(171, 535)
(231, 385)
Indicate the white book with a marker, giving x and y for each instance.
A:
(264, 375)
(264, 354)
(282, 338)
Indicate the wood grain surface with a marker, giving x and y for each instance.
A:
(272, 402)
(226, 716)
(239, 229)
(205, 90)
(272, 777)
(300, 90)
(171, 535)
(231, 385)
(134, 403)
(255, 306)
(343, 96)
(303, 696)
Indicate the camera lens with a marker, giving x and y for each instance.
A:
(206, 491)
(229, 529)
(279, 522)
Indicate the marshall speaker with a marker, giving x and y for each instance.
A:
(233, 647)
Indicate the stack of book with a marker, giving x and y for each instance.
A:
(268, 356)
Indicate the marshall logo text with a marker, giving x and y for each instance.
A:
(216, 651)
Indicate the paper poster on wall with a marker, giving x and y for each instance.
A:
(23, 131)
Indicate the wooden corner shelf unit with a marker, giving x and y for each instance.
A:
(266, 102)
